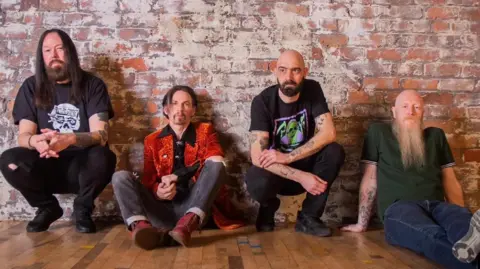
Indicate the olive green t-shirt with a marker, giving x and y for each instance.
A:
(394, 183)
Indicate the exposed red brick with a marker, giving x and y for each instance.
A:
(317, 54)
(456, 84)
(443, 70)
(57, 5)
(135, 63)
(349, 54)
(385, 54)
(471, 71)
(473, 112)
(301, 10)
(440, 26)
(358, 97)
(381, 83)
(470, 13)
(420, 84)
(472, 155)
(333, 40)
(438, 98)
(442, 13)
(423, 54)
(129, 34)
(152, 107)
(27, 4)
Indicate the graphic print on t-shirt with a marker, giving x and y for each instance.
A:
(65, 118)
(290, 132)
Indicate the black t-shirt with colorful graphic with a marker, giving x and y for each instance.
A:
(64, 116)
(289, 125)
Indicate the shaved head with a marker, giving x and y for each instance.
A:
(291, 58)
(408, 127)
(291, 72)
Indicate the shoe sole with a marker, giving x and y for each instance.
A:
(467, 248)
(147, 238)
(178, 238)
(305, 231)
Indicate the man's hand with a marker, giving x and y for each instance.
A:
(57, 142)
(166, 192)
(271, 156)
(312, 184)
(169, 179)
(38, 142)
(356, 228)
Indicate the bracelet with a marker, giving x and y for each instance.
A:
(30, 146)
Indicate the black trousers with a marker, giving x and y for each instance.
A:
(264, 186)
(85, 172)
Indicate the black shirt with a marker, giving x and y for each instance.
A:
(64, 117)
(289, 125)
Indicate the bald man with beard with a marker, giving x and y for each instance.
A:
(293, 147)
(408, 170)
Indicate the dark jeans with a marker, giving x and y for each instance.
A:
(139, 203)
(429, 228)
(264, 186)
(85, 172)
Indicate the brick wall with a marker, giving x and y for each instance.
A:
(363, 52)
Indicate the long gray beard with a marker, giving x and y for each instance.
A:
(412, 145)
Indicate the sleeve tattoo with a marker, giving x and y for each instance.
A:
(94, 138)
(367, 199)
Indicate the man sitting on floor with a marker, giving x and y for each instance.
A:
(182, 180)
(293, 147)
(409, 171)
(63, 115)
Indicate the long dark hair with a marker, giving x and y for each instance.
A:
(167, 99)
(44, 88)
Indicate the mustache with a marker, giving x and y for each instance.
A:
(56, 61)
(289, 82)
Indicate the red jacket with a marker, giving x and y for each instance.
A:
(159, 157)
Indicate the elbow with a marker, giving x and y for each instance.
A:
(333, 136)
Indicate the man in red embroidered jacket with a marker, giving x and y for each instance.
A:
(182, 182)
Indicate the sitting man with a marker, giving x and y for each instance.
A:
(63, 114)
(409, 170)
(292, 147)
(182, 180)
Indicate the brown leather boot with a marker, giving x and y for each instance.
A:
(147, 237)
(182, 233)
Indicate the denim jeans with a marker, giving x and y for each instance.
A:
(429, 228)
(139, 203)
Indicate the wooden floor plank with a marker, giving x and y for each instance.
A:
(112, 248)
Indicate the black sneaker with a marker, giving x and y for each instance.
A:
(266, 216)
(44, 218)
(311, 225)
(84, 222)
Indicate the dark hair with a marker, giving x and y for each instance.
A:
(167, 99)
(44, 88)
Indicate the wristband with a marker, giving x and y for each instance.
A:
(30, 146)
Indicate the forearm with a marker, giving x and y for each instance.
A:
(455, 195)
(368, 193)
(89, 139)
(314, 145)
(284, 171)
(23, 139)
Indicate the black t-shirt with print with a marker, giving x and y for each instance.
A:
(64, 116)
(289, 125)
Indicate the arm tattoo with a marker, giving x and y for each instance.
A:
(319, 122)
(252, 138)
(263, 143)
(367, 199)
(286, 171)
(94, 138)
(103, 116)
(85, 139)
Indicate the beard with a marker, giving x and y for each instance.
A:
(412, 144)
(290, 91)
(180, 118)
(57, 73)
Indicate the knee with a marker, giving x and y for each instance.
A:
(122, 177)
(12, 158)
(102, 157)
(217, 159)
(401, 208)
(258, 181)
(335, 153)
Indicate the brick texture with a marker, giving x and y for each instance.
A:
(362, 52)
